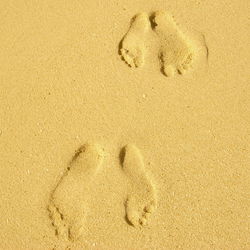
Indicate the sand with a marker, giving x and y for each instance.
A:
(124, 124)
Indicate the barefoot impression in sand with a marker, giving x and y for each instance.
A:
(132, 45)
(141, 200)
(176, 52)
(67, 207)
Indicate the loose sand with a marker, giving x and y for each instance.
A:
(124, 124)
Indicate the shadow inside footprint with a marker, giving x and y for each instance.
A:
(122, 155)
(152, 20)
(126, 215)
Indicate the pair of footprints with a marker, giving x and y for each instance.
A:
(176, 52)
(68, 196)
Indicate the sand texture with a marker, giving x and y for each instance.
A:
(124, 125)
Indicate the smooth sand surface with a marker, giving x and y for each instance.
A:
(124, 124)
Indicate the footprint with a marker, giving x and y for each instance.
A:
(141, 200)
(132, 47)
(66, 207)
(176, 52)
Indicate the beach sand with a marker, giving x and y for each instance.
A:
(124, 124)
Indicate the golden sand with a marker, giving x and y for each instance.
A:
(124, 124)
